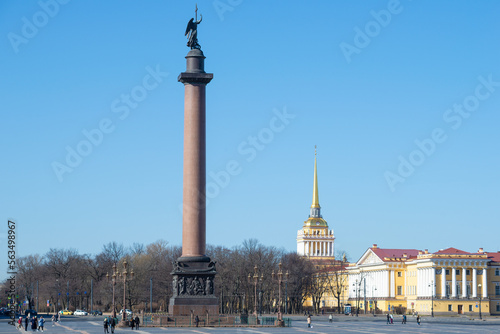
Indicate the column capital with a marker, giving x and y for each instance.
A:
(195, 78)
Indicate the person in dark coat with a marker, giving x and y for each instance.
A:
(137, 322)
(26, 324)
(132, 323)
(112, 323)
(34, 324)
(105, 324)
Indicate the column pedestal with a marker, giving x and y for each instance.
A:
(193, 287)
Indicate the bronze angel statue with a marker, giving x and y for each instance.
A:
(192, 30)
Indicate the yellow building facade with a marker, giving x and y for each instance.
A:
(449, 281)
(446, 282)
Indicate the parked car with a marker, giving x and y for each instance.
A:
(126, 311)
(80, 312)
(96, 312)
(30, 312)
(66, 312)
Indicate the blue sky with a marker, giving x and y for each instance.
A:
(401, 97)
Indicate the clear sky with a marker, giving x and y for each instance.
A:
(402, 99)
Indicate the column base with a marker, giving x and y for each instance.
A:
(193, 287)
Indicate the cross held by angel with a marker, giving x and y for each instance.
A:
(192, 30)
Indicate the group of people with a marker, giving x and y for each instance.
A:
(36, 324)
(390, 319)
(111, 323)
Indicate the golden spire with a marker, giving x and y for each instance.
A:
(315, 203)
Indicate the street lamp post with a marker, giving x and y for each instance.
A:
(480, 292)
(58, 288)
(124, 274)
(255, 278)
(355, 285)
(432, 298)
(357, 288)
(279, 277)
(67, 296)
(286, 297)
(113, 282)
(373, 299)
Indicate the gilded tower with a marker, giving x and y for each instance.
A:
(315, 240)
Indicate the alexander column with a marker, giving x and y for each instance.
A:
(194, 273)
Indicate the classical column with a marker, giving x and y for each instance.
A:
(485, 284)
(194, 200)
(453, 283)
(306, 246)
(419, 282)
(443, 282)
(464, 283)
(434, 283)
(474, 283)
(393, 284)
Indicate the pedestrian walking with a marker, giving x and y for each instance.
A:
(388, 319)
(392, 319)
(20, 323)
(112, 324)
(196, 321)
(132, 323)
(106, 324)
(26, 324)
(41, 323)
(418, 319)
(330, 318)
(137, 322)
(33, 324)
(404, 319)
(309, 325)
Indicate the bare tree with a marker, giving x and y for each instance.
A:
(338, 278)
(114, 251)
(29, 273)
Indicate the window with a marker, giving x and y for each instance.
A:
(498, 307)
(400, 274)
(467, 272)
(497, 289)
(447, 271)
(497, 272)
(450, 308)
(457, 271)
(470, 308)
(448, 289)
(400, 290)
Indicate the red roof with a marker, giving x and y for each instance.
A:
(452, 250)
(389, 253)
(495, 257)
